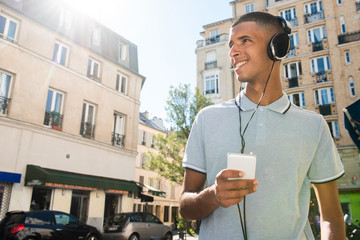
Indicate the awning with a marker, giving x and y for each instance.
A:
(10, 177)
(153, 191)
(352, 121)
(39, 176)
(145, 198)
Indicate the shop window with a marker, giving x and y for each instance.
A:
(40, 199)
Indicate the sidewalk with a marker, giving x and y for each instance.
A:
(187, 236)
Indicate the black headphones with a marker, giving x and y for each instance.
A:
(279, 45)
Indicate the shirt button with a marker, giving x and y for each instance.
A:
(261, 109)
(261, 124)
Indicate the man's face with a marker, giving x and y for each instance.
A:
(248, 53)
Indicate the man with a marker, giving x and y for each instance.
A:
(293, 147)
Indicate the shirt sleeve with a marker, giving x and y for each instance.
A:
(194, 157)
(326, 165)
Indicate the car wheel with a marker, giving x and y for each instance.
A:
(134, 236)
(168, 236)
(92, 237)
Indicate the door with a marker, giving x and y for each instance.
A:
(79, 205)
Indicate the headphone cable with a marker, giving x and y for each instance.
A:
(242, 133)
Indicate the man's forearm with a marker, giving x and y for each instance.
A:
(197, 206)
(333, 230)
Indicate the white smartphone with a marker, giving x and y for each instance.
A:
(243, 162)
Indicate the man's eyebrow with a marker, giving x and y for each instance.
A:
(239, 38)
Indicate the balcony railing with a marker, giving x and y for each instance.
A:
(314, 17)
(321, 77)
(293, 22)
(210, 91)
(4, 102)
(325, 109)
(349, 37)
(317, 46)
(357, 4)
(212, 40)
(87, 130)
(293, 82)
(292, 53)
(54, 120)
(118, 139)
(211, 64)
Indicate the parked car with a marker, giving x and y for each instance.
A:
(135, 226)
(45, 224)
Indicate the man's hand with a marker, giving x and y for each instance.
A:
(229, 192)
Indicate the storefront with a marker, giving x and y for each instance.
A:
(89, 198)
(7, 179)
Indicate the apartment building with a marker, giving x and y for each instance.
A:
(69, 103)
(163, 196)
(321, 72)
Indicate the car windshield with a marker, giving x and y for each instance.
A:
(119, 218)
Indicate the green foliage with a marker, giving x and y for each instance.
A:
(182, 108)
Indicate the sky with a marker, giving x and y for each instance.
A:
(165, 32)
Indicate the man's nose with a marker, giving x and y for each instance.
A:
(234, 51)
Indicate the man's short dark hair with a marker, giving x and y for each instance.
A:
(261, 18)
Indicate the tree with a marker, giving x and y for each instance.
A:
(182, 108)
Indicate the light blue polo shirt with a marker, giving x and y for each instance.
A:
(293, 146)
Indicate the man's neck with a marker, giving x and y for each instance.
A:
(272, 93)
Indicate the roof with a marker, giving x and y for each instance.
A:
(156, 123)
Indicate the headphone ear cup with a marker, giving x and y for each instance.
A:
(278, 46)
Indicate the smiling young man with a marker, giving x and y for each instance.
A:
(293, 147)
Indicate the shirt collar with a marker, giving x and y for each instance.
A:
(281, 105)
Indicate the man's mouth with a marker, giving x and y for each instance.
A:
(240, 64)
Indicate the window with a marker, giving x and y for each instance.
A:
(121, 83)
(40, 199)
(288, 14)
(123, 52)
(211, 60)
(298, 99)
(172, 195)
(211, 84)
(338, 2)
(292, 70)
(342, 25)
(87, 121)
(5, 81)
(352, 87)
(334, 128)
(143, 138)
(60, 53)
(94, 36)
(347, 57)
(143, 161)
(118, 135)
(313, 7)
(93, 70)
(320, 64)
(65, 19)
(294, 40)
(53, 110)
(214, 36)
(316, 34)
(324, 96)
(8, 28)
(65, 219)
(166, 213)
(141, 179)
(249, 8)
(39, 218)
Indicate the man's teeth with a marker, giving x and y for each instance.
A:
(240, 64)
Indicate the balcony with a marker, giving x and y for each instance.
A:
(53, 120)
(209, 41)
(357, 4)
(314, 17)
(212, 40)
(293, 22)
(87, 130)
(317, 46)
(349, 37)
(4, 102)
(325, 109)
(293, 82)
(321, 77)
(211, 64)
(118, 139)
(291, 53)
